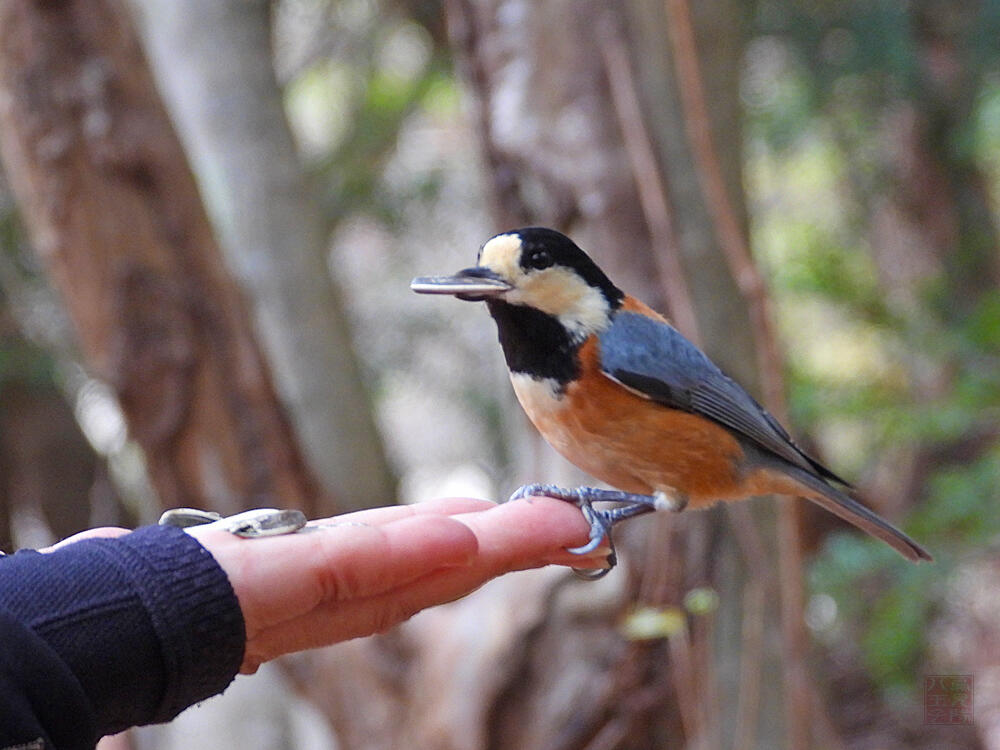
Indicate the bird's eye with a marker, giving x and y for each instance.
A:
(539, 259)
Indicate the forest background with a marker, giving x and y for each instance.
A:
(212, 210)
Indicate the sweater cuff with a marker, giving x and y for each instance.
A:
(195, 613)
(148, 622)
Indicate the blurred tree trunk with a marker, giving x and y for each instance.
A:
(214, 64)
(114, 213)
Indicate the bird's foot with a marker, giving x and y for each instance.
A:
(601, 521)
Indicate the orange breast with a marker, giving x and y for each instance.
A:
(630, 442)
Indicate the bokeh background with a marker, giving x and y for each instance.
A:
(211, 210)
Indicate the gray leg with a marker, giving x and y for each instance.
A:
(587, 494)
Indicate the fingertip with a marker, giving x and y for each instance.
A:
(555, 517)
(527, 533)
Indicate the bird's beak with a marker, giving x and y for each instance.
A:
(470, 284)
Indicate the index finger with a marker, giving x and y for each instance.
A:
(448, 506)
(278, 578)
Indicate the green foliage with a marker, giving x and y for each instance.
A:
(350, 110)
(895, 640)
(962, 511)
(894, 600)
(876, 370)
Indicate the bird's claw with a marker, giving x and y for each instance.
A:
(601, 521)
(600, 527)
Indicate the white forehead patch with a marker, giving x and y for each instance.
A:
(503, 255)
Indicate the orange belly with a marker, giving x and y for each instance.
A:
(632, 443)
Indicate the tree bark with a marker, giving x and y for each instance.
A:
(113, 211)
(270, 227)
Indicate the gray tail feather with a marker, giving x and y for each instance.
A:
(853, 512)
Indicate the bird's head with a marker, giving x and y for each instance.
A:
(536, 268)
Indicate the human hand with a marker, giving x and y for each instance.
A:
(363, 572)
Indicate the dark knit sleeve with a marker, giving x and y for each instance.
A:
(147, 624)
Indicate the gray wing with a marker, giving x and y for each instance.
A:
(655, 360)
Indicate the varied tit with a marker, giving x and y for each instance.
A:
(618, 391)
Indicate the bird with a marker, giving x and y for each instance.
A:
(622, 394)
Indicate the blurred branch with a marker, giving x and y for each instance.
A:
(725, 218)
(648, 174)
(688, 684)
(506, 205)
(751, 665)
(753, 288)
(693, 681)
